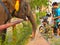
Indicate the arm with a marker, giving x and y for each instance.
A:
(56, 17)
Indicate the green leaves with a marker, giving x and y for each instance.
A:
(39, 3)
(20, 35)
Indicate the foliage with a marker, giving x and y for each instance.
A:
(46, 31)
(19, 35)
(38, 15)
(55, 41)
(38, 3)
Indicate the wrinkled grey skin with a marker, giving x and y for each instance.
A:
(25, 11)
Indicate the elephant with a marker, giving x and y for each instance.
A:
(23, 13)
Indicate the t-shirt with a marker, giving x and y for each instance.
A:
(57, 13)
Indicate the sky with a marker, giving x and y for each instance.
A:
(55, 0)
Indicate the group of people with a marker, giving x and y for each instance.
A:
(52, 19)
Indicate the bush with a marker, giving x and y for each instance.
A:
(55, 41)
(38, 15)
(20, 34)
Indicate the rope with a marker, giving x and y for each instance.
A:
(5, 8)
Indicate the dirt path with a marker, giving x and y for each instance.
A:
(39, 40)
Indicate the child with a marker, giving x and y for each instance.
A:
(56, 16)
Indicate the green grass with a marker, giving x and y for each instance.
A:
(55, 41)
(20, 34)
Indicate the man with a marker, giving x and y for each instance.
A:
(56, 17)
